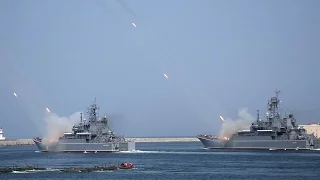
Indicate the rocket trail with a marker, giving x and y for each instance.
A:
(127, 8)
(28, 107)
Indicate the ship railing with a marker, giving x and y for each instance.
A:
(208, 136)
(246, 130)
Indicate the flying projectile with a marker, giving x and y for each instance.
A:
(222, 119)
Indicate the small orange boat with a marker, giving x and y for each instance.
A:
(126, 166)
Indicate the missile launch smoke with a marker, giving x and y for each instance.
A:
(56, 125)
(230, 126)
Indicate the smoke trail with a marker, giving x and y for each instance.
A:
(229, 127)
(123, 4)
(56, 125)
(23, 87)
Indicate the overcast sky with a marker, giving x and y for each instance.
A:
(220, 56)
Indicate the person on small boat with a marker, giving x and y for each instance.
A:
(126, 165)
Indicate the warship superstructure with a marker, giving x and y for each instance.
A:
(92, 136)
(273, 133)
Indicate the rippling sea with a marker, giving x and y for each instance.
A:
(169, 161)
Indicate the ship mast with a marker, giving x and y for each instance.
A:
(93, 111)
(273, 105)
(276, 109)
(81, 118)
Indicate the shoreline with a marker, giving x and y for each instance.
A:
(20, 142)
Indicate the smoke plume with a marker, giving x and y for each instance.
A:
(230, 126)
(56, 125)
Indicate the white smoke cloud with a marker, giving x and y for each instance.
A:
(56, 125)
(230, 126)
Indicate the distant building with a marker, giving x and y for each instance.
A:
(2, 138)
(313, 128)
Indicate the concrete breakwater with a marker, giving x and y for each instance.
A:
(17, 142)
(30, 141)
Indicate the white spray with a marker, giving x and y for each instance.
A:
(230, 126)
(56, 126)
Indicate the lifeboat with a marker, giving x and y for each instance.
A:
(126, 165)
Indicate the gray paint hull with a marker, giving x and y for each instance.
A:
(256, 144)
(85, 147)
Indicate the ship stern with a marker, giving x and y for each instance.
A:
(127, 146)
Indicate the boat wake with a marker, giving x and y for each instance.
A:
(35, 171)
(166, 152)
(102, 171)
(232, 153)
(139, 151)
(19, 172)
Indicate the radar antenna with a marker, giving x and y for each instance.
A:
(277, 93)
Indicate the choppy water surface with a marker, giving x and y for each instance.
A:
(169, 161)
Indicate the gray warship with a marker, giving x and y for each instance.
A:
(92, 136)
(273, 133)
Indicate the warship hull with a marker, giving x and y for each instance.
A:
(257, 144)
(93, 135)
(272, 132)
(85, 147)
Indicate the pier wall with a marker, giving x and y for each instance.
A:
(17, 142)
(30, 141)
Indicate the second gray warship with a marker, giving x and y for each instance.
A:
(92, 136)
(273, 133)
